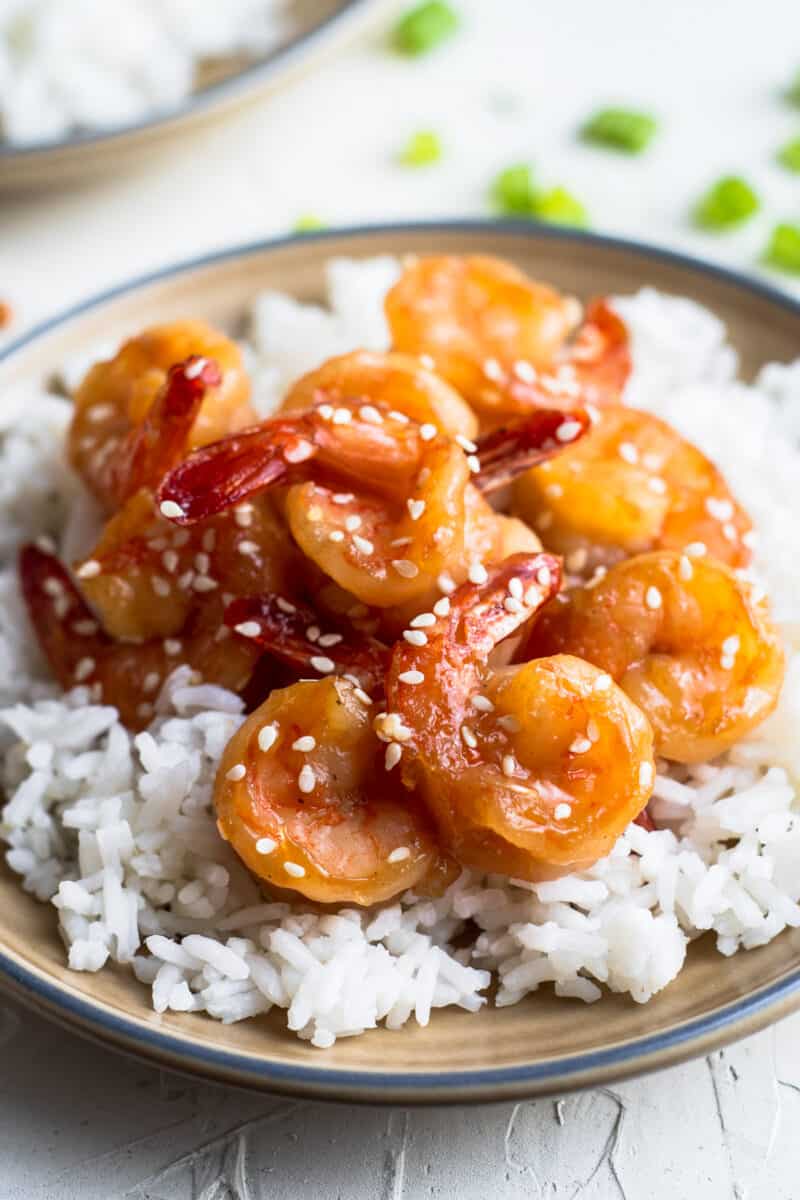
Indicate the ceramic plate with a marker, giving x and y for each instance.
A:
(541, 1045)
(321, 25)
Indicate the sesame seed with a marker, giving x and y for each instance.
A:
(645, 774)
(170, 560)
(266, 845)
(85, 628)
(267, 737)
(628, 452)
(170, 509)
(243, 516)
(352, 523)
(390, 728)
(524, 371)
(696, 549)
(370, 414)
(286, 606)
(685, 568)
(363, 544)
(398, 416)
(236, 773)
(144, 710)
(492, 370)
(361, 695)
(325, 411)
(202, 562)
(474, 463)
(401, 541)
(580, 745)
(568, 431)
(577, 560)
(427, 362)
(423, 476)
(657, 484)
(422, 621)
(512, 605)
(477, 573)
(411, 677)
(393, 755)
(342, 416)
(602, 683)
(342, 497)
(515, 588)
(543, 576)
(466, 444)
(99, 412)
(653, 598)
(441, 608)
(562, 811)
(248, 629)
(509, 764)
(245, 546)
(727, 662)
(313, 633)
(305, 744)
(322, 664)
(730, 532)
(336, 535)
(160, 586)
(294, 869)
(415, 637)
(399, 855)
(509, 723)
(89, 569)
(209, 539)
(330, 639)
(203, 583)
(84, 669)
(151, 681)
(172, 646)
(544, 520)
(53, 586)
(482, 703)
(415, 508)
(731, 644)
(306, 780)
(554, 490)
(446, 584)
(720, 510)
(299, 451)
(427, 432)
(593, 731)
(405, 567)
(468, 737)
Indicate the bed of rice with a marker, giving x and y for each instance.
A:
(116, 831)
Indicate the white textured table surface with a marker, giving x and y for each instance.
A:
(76, 1120)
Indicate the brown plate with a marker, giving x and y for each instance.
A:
(320, 27)
(542, 1045)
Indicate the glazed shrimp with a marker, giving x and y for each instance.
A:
(634, 484)
(400, 524)
(500, 338)
(533, 770)
(303, 797)
(684, 638)
(384, 383)
(119, 673)
(113, 402)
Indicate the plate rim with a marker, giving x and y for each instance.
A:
(95, 1019)
(220, 94)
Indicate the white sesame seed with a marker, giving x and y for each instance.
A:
(313, 633)
(336, 535)
(492, 370)
(466, 444)
(99, 412)
(294, 869)
(89, 569)
(84, 669)
(304, 744)
(85, 628)
(524, 371)
(423, 476)
(151, 681)
(509, 723)
(482, 703)
(243, 516)
(580, 745)
(322, 664)
(267, 737)
(364, 545)
(399, 855)
(628, 452)
(144, 710)
(415, 508)
(562, 811)
(330, 639)
(515, 588)
(696, 549)
(593, 731)
(406, 568)
(423, 621)
(325, 411)
(568, 431)
(202, 562)
(306, 780)
(266, 845)
(685, 568)
(361, 695)
(441, 608)
(477, 573)
(446, 584)
(512, 605)
(286, 606)
(370, 414)
(342, 416)
(53, 586)
(731, 644)
(427, 432)
(657, 485)
(653, 598)
(577, 560)
(427, 362)
(727, 662)
(554, 490)
(170, 509)
(469, 737)
(401, 541)
(172, 646)
(236, 773)
(204, 583)
(245, 546)
(474, 463)
(170, 560)
(509, 764)
(602, 683)
(298, 451)
(645, 774)
(730, 532)
(543, 576)
(209, 540)
(720, 510)
(398, 416)
(352, 522)
(415, 637)
(393, 755)
(160, 586)
(411, 677)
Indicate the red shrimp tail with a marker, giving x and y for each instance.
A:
(223, 474)
(64, 624)
(601, 354)
(512, 449)
(282, 629)
(646, 821)
(483, 615)
(159, 443)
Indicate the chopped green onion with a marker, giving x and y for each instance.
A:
(793, 91)
(789, 155)
(424, 27)
(620, 129)
(308, 223)
(728, 202)
(421, 149)
(559, 207)
(513, 191)
(783, 248)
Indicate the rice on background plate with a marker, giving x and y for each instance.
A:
(116, 830)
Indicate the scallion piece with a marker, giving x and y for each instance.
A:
(513, 192)
(620, 129)
(727, 203)
(424, 27)
(789, 155)
(783, 248)
(421, 150)
(559, 207)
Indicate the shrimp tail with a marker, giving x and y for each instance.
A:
(65, 627)
(282, 629)
(219, 476)
(483, 615)
(512, 449)
(159, 443)
(600, 354)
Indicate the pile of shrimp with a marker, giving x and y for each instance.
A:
(470, 599)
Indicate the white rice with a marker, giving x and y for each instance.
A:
(70, 65)
(116, 830)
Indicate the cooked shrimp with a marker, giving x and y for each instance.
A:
(384, 383)
(684, 638)
(633, 484)
(119, 673)
(113, 402)
(388, 540)
(500, 338)
(303, 797)
(530, 770)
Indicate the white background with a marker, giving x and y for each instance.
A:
(79, 1121)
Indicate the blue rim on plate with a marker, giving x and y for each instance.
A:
(751, 1011)
(223, 92)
